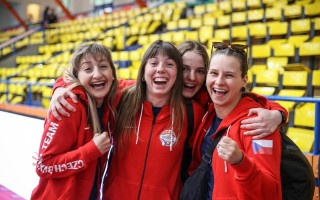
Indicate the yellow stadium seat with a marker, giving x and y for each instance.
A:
(274, 42)
(123, 55)
(291, 93)
(143, 39)
(131, 40)
(295, 78)
(199, 9)
(277, 63)
(172, 25)
(312, 9)
(288, 105)
(223, 34)
(304, 115)
(264, 90)
(273, 13)
(292, 11)
(134, 55)
(124, 73)
(209, 20)
(316, 39)
(256, 69)
(316, 23)
(299, 26)
(224, 20)
(167, 36)
(212, 7)
(154, 37)
(254, 4)
(304, 138)
(255, 15)
(261, 51)
(195, 23)
(268, 77)
(258, 30)
(153, 27)
(205, 33)
(238, 18)
(297, 40)
(266, 82)
(287, 50)
(316, 78)
(309, 49)
(184, 23)
(16, 100)
(239, 32)
(225, 6)
(192, 35)
(238, 5)
(278, 28)
(179, 36)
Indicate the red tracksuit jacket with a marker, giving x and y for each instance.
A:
(149, 169)
(68, 157)
(257, 177)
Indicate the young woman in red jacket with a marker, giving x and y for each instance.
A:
(195, 65)
(241, 165)
(73, 151)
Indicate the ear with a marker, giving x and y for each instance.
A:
(245, 80)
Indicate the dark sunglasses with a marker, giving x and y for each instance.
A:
(224, 45)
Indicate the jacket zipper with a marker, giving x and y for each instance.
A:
(146, 158)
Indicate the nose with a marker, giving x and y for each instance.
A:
(96, 72)
(160, 67)
(192, 75)
(219, 80)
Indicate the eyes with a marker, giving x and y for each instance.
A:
(88, 67)
(153, 62)
(200, 71)
(214, 73)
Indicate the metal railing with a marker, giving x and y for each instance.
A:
(317, 115)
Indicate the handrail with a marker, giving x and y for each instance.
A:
(19, 37)
(317, 115)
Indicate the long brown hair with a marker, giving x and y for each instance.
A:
(133, 97)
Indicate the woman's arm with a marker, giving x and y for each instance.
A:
(267, 120)
(58, 104)
(60, 153)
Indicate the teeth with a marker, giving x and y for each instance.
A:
(160, 80)
(218, 90)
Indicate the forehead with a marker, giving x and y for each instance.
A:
(192, 56)
(95, 57)
(224, 61)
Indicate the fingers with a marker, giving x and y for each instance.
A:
(102, 141)
(66, 104)
(253, 111)
(229, 151)
(74, 99)
(249, 121)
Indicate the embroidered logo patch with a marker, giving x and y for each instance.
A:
(168, 137)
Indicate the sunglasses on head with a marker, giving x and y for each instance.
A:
(225, 45)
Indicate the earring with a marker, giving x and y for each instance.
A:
(143, 79)
(243, 89)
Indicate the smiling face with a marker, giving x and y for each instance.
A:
(95, 74)
(194, 73)
(224, 82)
(160, 75)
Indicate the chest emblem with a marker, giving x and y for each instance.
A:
(168, 137)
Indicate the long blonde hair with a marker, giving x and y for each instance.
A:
(95, 50)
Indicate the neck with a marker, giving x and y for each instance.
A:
(224, 110)
(158, 101)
